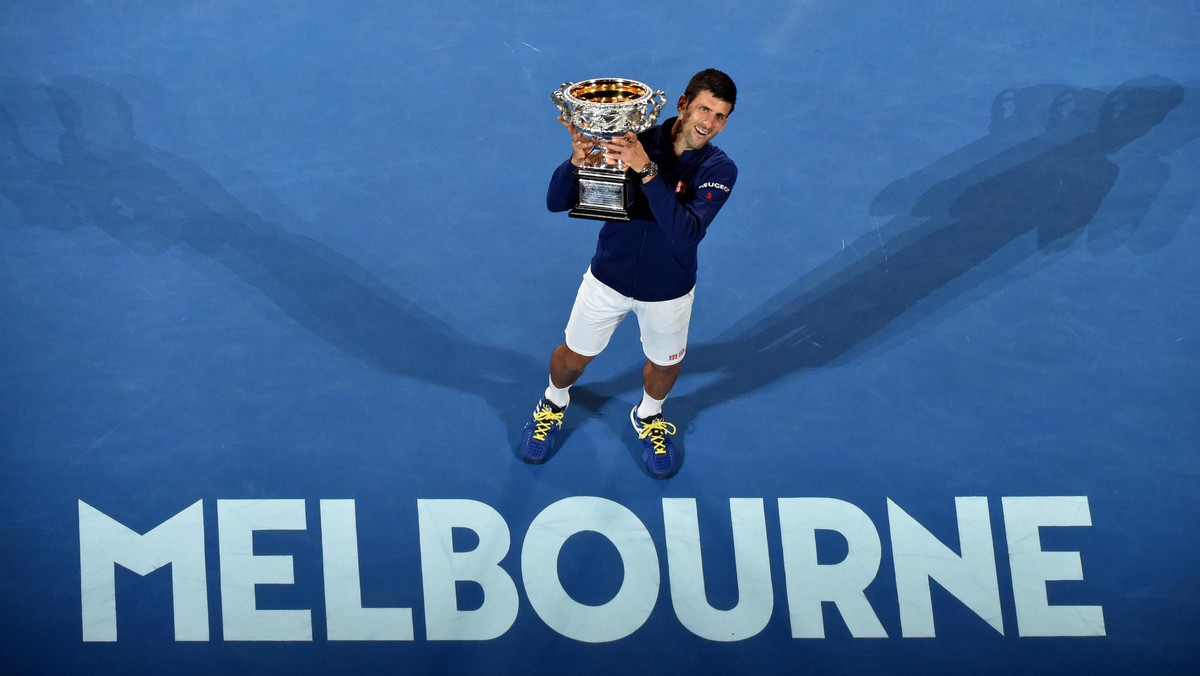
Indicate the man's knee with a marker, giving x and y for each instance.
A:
(659, 369)
(568, 363)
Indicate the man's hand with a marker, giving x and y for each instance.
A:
(629, 150)
(581, 146)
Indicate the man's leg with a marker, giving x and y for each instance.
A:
(595, 315)
(658, 381)
(658, 452)
(566, 365)
(537, 441)
(664, 328)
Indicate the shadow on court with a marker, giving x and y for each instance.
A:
(1034, 185)
(151, 201)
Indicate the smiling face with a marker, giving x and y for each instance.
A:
(700, 119)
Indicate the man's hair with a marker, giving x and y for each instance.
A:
(714, 81)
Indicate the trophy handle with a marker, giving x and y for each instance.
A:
(662, 100)
(558, 96)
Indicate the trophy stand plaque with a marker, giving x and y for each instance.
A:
(605, 194)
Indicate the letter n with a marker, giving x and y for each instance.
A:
(104, 543)
(920, 559)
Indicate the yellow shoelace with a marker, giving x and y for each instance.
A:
(545, 419)
(658, 440)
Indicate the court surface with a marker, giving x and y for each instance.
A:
(278, 290)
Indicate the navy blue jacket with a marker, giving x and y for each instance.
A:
(653, 258)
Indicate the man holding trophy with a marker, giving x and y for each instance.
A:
(657, 188)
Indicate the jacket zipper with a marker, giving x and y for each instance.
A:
(637, 270)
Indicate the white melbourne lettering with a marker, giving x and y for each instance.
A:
(813, 585)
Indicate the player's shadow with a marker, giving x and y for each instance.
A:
(1038, 180)
(1053, 156)
(151, 201)
(963, 220)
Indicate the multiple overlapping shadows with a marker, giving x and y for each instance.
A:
(151, 201)
(1033, 186)
(1049, 186)
(1058, 162)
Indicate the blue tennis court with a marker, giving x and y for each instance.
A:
(278, 290)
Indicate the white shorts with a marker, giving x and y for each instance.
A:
(599, 309)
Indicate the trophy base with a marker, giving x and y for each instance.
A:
(595, 214)
(606, 193)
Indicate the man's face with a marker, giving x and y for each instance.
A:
(701, 119)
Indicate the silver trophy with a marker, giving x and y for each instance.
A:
(600, 109)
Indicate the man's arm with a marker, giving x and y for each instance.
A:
(563, 192)
(685, 224)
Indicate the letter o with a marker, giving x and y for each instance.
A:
(633, 602)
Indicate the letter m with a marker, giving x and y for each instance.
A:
(104, 543)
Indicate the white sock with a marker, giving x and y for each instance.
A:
(560, 397)
(650, 406)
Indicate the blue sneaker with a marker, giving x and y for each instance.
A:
(537, 441)
(657, 450)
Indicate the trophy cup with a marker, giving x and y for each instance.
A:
(601, 109)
